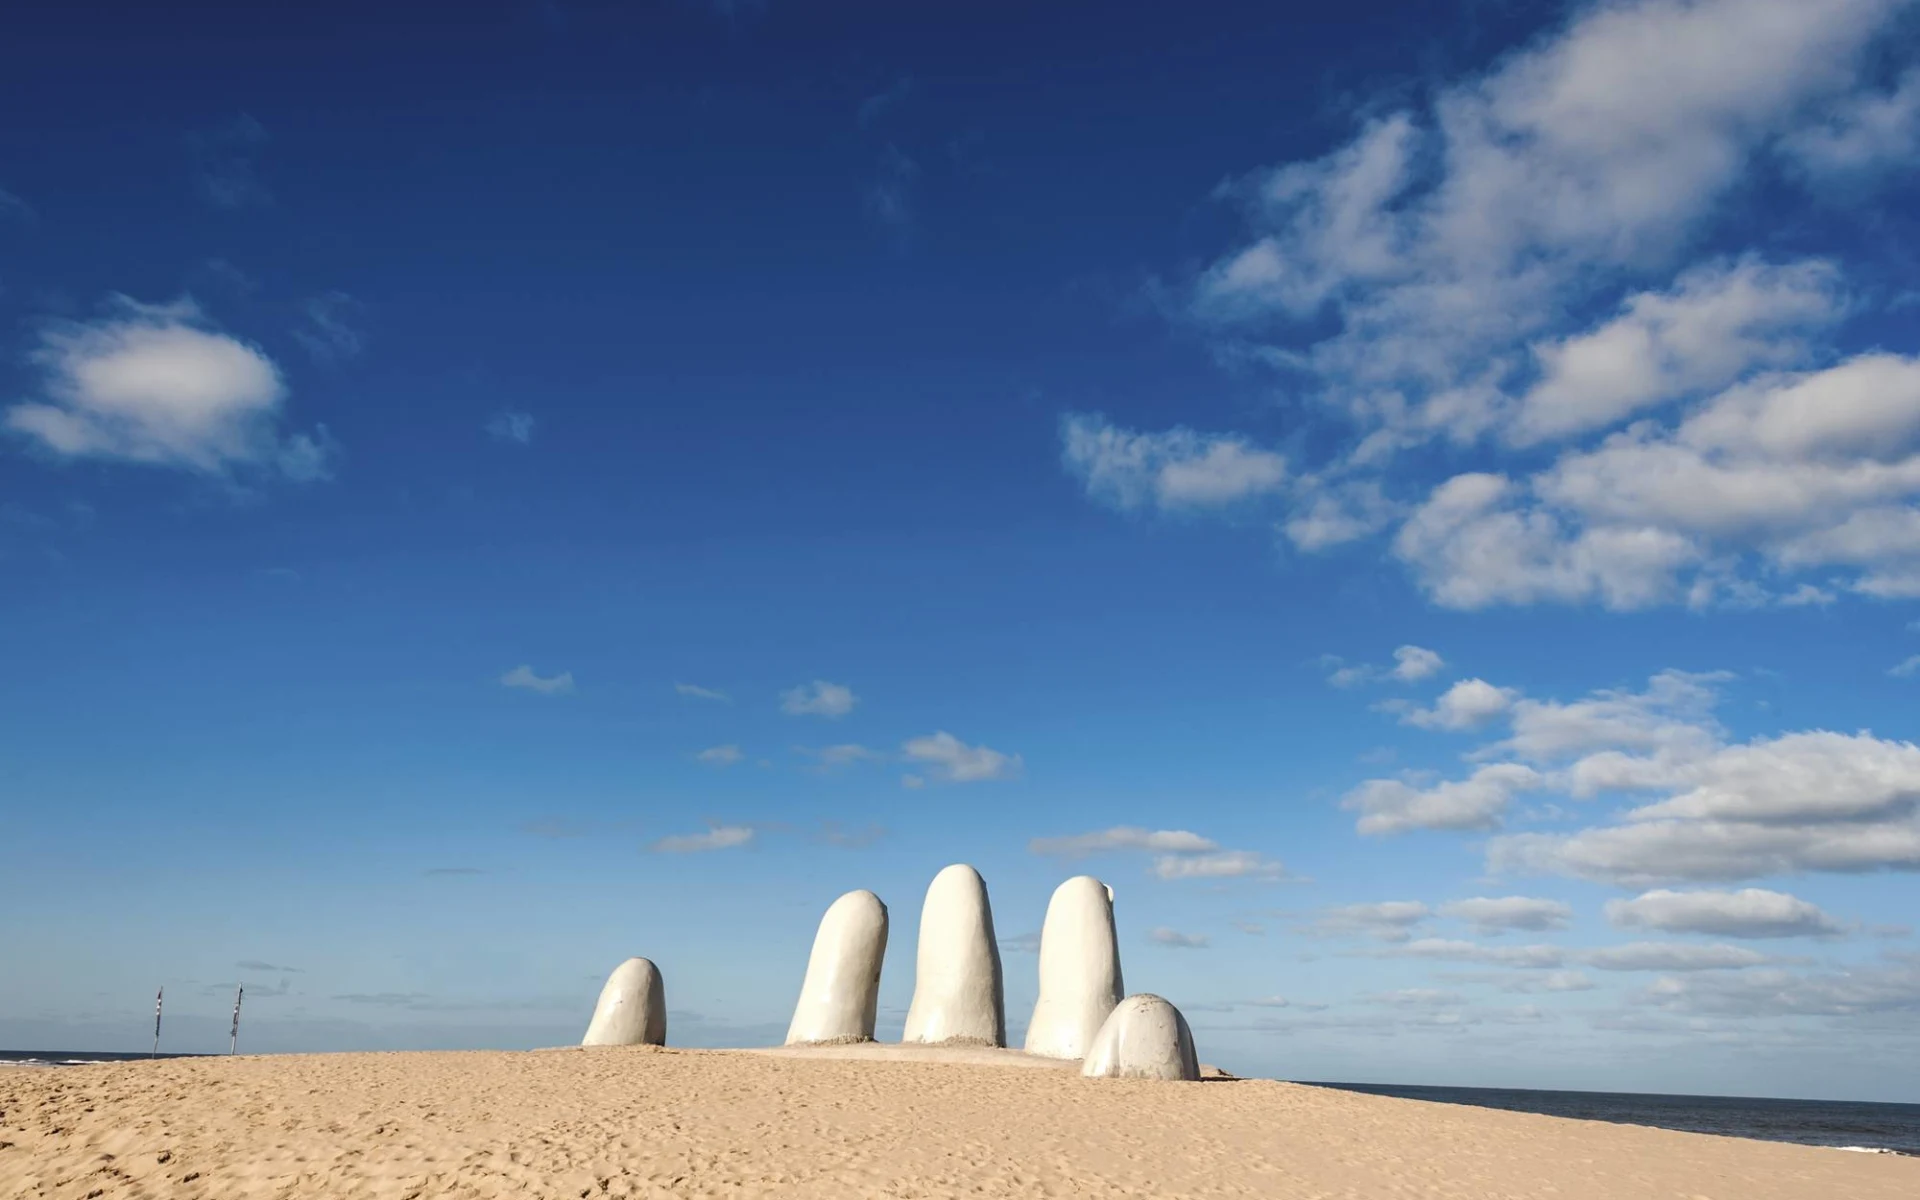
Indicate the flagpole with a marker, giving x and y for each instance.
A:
(157, 998)
(233, 1043)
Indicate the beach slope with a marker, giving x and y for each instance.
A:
(643, 1121)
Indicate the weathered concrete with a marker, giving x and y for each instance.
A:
(842, 989)
(1143, 1038)
(1079, 970)
(632, 1010)
(957, 986)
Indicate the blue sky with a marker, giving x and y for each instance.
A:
(1422, 504)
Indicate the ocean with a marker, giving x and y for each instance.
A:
(76, 1058)
(1840, 1124)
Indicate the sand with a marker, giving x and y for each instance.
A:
(841, 1122)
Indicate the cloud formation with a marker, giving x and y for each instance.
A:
(1175, 940)
(1747, 913)
(1509, 267)
(841, 755)
(1468, 704)
(1123, 837)
(1387, 920)
(1809, 801)
(1494, 915)
(524, 678)
(1171, 471)
(719, 837)
(947, 759)
(159, 385)
(1388, 806)
(1702, 809)
(1672, 956)
(818, 699)
(1411, 664)
(1178, 853)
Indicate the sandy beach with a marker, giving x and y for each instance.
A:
(867, 1122)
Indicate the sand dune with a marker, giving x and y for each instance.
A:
(646, 1122)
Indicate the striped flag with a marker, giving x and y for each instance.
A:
(234, 1044)
(157, 998)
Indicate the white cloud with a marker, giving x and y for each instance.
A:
(818, 699)
(1492, 915)
(1566, 981)
(1387, 920)
(1123, 837)
(1797, 777)
(1805, 470)
(1865, 132)
(1651, 852)
(701, 693)
(841, 755)
(1022, 943)
(1748, 913)
(719, 837)
(524, 677)
(1807, 595)
(1220, 864)
(1718, 322)
(1674, 714)
(1672, 956)
(1475, 543)
(1179, 853)
(1411, 664)
(1706, 811)
(1179, 941)
(1354, 676)
(1440, 238)
(721, 756)
(1418, 998)
(1771, 992)
(1452, 950)
(1395, 806)
(1457, 251)
(1906, 668)
(1468, 704)
(1414, 663)
(509, 425)
(1178, 469)
(157, 384)
(1811, 801)
(1801, 801)
(1327, 514)
(950, 760)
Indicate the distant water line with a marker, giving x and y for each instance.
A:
(1858, 1125)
